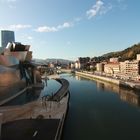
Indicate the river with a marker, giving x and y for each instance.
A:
(101, 111)
(97, 110)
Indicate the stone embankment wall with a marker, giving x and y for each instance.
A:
(132, 84)
(92, 76)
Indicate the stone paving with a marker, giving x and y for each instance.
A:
(42, 108)
(30, 129)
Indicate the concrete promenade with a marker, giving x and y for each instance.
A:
(41, 109)
(130, 84)
(30, 129)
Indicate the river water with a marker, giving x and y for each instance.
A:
(101, 111)
(97, 110)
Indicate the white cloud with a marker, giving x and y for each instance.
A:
(64, 25)
(105, 9)
(25, 38)
(19, 26)
(95, 9)
(99, 8)
(16, 27)
(46, 29)
(54, 29)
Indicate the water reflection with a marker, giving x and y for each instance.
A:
(97, 112)
(50, 88)
(125, 94)
(26, 97)
(9, 88)
(130, 96)
(77, 77)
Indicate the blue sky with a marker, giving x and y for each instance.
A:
(72, 28)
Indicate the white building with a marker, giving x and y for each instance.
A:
(112, 68)
(131, 68)
(100, 67)
(72, 65)
(138, 57)
(77, 65)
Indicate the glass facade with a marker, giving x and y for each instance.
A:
(5, 37)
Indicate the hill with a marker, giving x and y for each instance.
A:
(53, 60)
(127, 54)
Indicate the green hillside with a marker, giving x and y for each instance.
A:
(127, 54)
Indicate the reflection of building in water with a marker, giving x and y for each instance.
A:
(100, 86)
(77, 77)
(107, 86)
(129, 96)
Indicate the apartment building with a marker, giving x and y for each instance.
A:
(130, 68)
(112, 68)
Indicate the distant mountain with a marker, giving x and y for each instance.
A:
(126, 54)
(62, 61)
(38, 61)
(51, 60)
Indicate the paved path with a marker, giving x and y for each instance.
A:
(30, 129)
(55, 110)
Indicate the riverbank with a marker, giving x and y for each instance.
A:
(132, 85)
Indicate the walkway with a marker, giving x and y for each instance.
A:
(30, 129)
(46, 110)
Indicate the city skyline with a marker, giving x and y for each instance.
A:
(70, 29)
